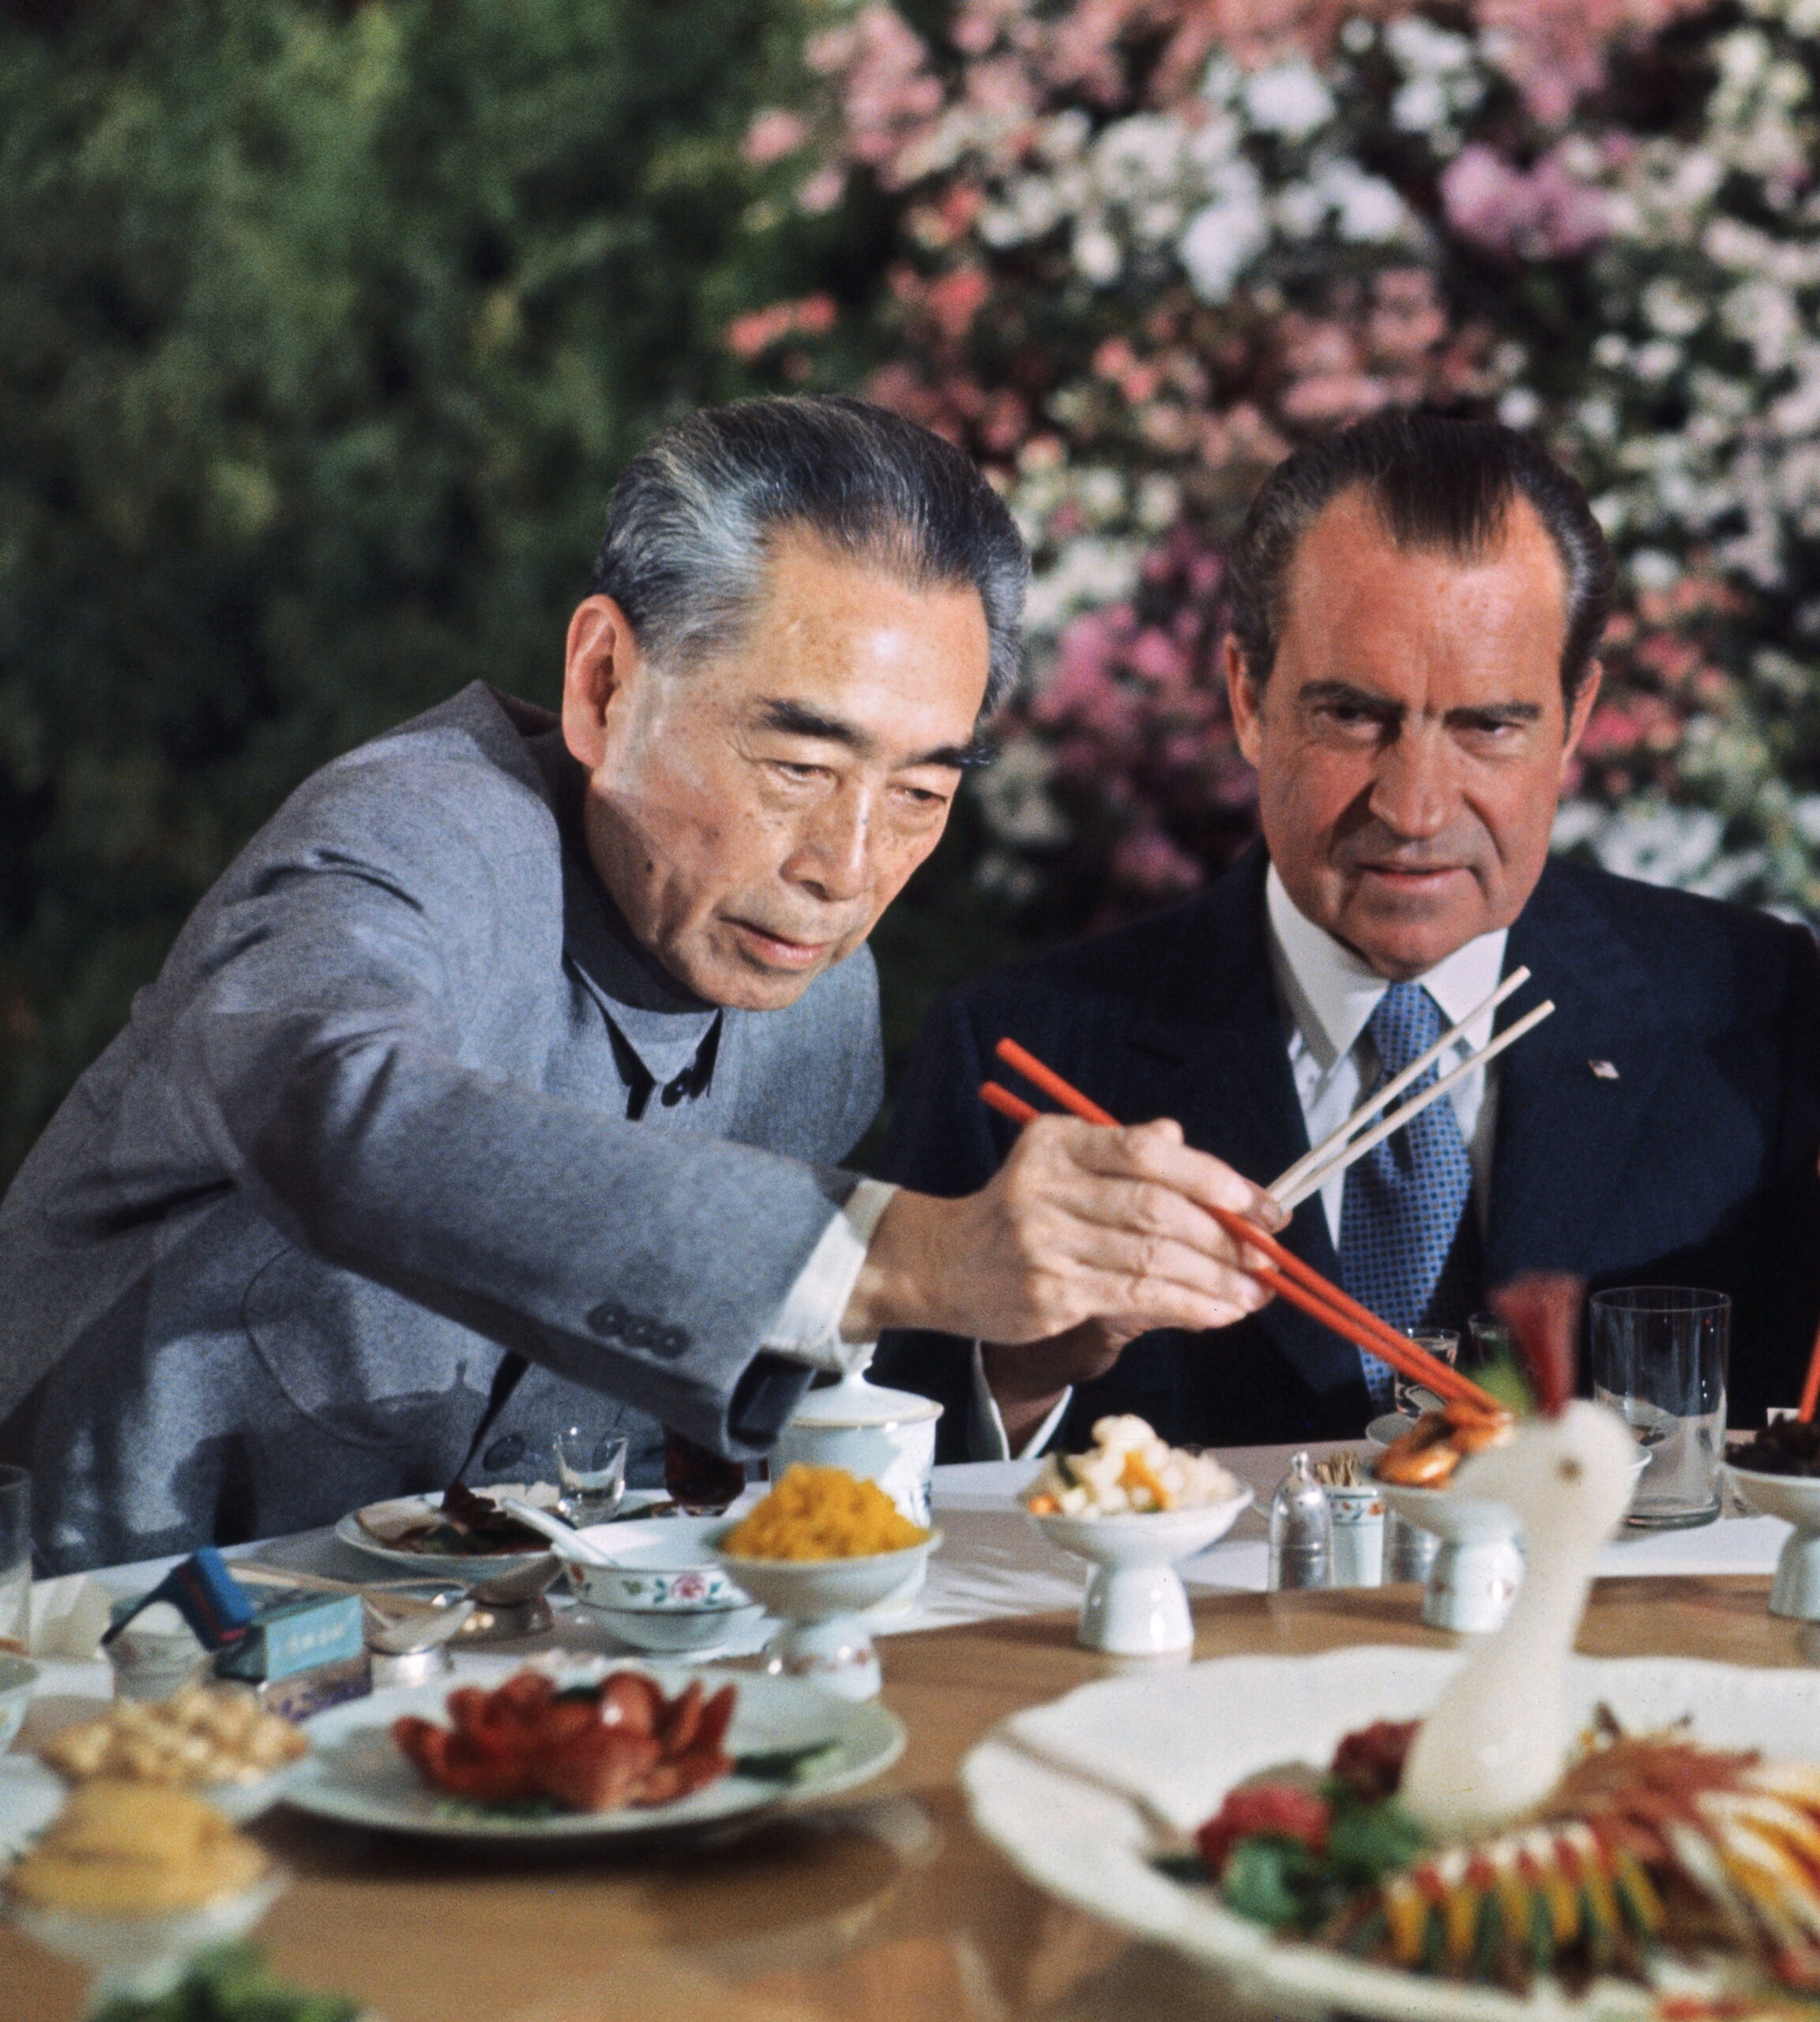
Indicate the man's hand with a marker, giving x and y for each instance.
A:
(1080, 1224)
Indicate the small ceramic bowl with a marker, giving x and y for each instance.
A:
(671, 1631)
(1795, 1498)
(820, 1601)
(1135, 1604)
(18, 1680)
(664, 1563)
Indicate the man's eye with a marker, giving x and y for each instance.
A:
(791, 770)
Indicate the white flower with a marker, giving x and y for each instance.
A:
(1368, 209)
(1097, 257)
(1423, 50)
(1287, 98)
(1421, 106)
(1224, 237)
(1013, 796)
(1670, 310)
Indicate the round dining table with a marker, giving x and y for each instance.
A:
(883, 1904)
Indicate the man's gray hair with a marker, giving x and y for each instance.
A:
(691, 521)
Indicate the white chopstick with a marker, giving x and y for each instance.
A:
(1312, 1182)
(1292, 1176)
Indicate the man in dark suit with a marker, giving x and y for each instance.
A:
(1416, 606)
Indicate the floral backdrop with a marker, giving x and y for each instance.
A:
(1137, 249)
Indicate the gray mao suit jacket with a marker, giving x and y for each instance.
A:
(401, 1118)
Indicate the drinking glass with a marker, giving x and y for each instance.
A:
(16, 1561)
(1491, 1338)
(590, 1473)
(1443, 1344)
(1659, 1359)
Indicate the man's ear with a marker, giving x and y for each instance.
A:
(1580, 714)
(1246, 698)
(602, 665)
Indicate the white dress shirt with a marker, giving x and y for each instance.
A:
(806, 1328)
(1329, 995)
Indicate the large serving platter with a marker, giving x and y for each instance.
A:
(356, 1774)
(465, 1567)
(1182, 1739)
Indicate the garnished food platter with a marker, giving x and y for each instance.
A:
(791, 1743)
(408, 1531)
(1082, 1795)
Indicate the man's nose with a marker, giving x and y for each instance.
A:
(1414, 791)
(832, 856)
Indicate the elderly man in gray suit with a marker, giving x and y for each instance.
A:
(503, 1081)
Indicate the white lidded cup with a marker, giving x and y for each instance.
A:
(877, 1435)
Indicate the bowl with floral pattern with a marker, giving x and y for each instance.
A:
(661, 1565)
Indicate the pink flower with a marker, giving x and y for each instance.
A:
(1157, 866)
(758, 329)
(1542, 215)
(773, 135)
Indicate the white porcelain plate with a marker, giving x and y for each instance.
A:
(356, 1774)
(1184, 1739)
(472, 1566)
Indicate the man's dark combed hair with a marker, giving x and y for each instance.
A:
(1446, 486)
(691, 522)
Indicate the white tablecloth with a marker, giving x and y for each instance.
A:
(992, 1562)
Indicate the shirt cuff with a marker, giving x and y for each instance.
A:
(806, 1329)
(986, 1439)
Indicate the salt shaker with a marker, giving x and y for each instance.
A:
(1301, 1529)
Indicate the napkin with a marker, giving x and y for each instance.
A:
(68, 1618)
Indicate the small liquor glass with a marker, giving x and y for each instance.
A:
(16, 1561)
(590, 1474)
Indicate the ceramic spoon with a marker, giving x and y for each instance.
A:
(569, 1544)
(1495, 1742)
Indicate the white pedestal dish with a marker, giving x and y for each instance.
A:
(1135, 1605)
(1795, 1498)
(1477, 1570)
(821, 1602)
(143, 1958)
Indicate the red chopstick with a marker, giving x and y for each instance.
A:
(1007, 1104)
(1051, 1083)
(1298, 1283)
(1810, 1389)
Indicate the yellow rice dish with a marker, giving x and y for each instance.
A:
(136, 1850)
(822, 1513)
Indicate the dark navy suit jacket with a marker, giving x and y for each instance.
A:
(1694, 1167)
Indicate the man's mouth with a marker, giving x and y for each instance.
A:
(777, 951)
(1412, 877)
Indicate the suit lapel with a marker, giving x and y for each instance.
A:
(1209, 1049)
(1564, 1131)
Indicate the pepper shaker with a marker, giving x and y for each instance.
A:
(1301, 1529)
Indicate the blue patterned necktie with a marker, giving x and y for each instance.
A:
(1405, 1201)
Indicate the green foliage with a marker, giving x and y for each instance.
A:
(328, 331)
(232, 1983)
